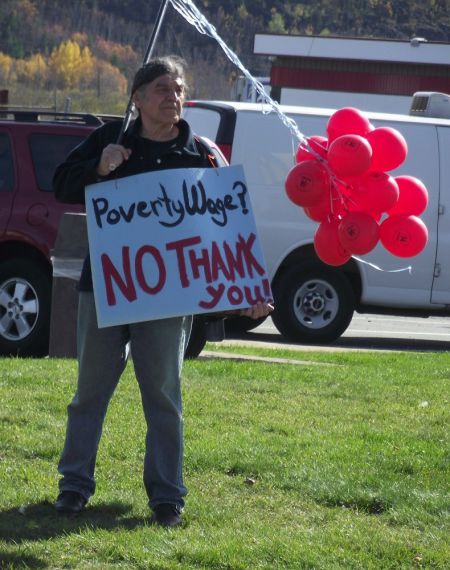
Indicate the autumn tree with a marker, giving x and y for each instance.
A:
(118, 55)
(108, 79)
(33, 71)
(17, 23)
(6, 70)
(71, 65)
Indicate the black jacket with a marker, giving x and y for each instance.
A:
(79, 169)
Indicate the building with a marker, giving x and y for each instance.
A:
(370, 74)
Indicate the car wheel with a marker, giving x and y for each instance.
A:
(197, 339)
(25, 300)
(239, 325)
(313, 303)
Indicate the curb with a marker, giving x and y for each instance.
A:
(212, 355)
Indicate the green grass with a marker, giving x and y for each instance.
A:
(288, 467)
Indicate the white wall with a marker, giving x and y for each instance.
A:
(338, 99)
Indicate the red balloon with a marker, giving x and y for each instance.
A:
(351, 207)
(319, 212)
(307, 183)
(316, 143)
(324, 209)
(349, 155)
(389, 148)
(375, 215)
(403, 236)
(343, 187)
(347, 121)
(327, 245)
(375, 192)
(413, 197)
(358, 232)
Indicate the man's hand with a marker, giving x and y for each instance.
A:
(257, 311)
(112, 157)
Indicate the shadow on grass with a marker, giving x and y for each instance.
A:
(367, 505)
(41, 522)
(370, 343)
(21, 561)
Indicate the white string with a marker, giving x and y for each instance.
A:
(408, 268)
(190, 12)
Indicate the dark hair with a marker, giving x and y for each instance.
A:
(169, 65)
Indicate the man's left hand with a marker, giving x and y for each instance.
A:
(257, 311)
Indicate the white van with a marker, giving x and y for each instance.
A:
(315, 302)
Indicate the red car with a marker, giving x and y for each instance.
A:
(32, 144)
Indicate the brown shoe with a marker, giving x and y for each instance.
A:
(166, 514)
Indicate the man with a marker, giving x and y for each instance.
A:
(158, 139)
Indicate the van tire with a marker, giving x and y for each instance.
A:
(25, 303)
(314, 303)
(197, 339)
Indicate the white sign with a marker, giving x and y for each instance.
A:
(173, 242)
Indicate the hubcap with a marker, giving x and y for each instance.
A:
(316, 304)
(19, 309)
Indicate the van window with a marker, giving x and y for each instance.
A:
(6, 164)
(47, 152)
(207, 118)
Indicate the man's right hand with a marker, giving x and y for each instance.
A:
(112, 157)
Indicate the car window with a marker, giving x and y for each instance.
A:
(205, 122)
(47, 151)
(6, 164)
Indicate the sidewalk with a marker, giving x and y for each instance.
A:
(263, 344)
(209, 354)
(284, 345)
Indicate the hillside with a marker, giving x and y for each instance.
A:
(114, 34)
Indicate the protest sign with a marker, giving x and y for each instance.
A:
(173, 242)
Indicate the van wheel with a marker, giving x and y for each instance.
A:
(197, 339)
(25, 300)
(314, 304)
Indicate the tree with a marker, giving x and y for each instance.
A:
(277, 24)
(109, 79)
(6, 69)
(33, 71)
(70, 65)
(123, 57)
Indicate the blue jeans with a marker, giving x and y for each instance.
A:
(157, 349)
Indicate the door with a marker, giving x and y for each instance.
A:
(37, 214)
(7, 179)
(441, 282)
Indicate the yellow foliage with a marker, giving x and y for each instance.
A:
(87, 63)
(6, 68)
(71, 65)
(33, 70)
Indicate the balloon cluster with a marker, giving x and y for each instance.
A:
(342, 182)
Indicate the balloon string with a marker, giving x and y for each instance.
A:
(188, 10)
(408, 268)
(193, 16)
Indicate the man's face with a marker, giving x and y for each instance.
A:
(161, 101)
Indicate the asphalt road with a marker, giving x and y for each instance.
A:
(373, 332)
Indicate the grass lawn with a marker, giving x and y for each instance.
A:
(340, 463)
